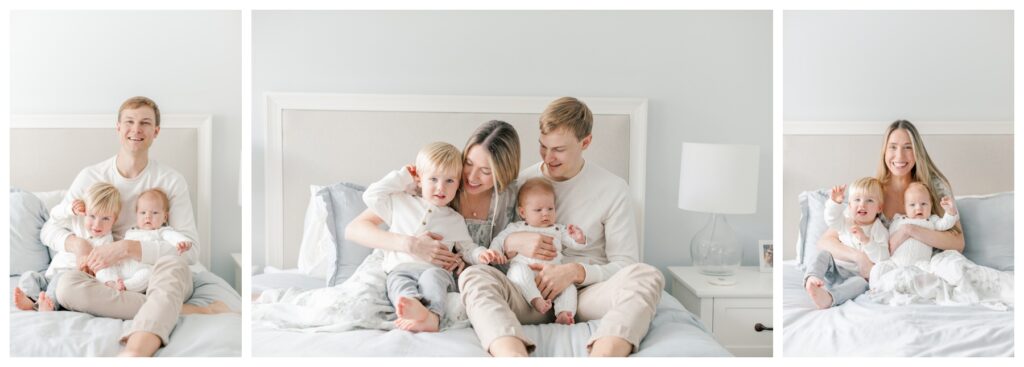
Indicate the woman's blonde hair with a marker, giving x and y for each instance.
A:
(103, 197)
(924, 170)
(501, 142)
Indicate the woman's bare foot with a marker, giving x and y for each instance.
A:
(213, 308)
(413, 316)
(819, 296)
(541, 305)
(22, 302)
(45, 303)
(565, 318)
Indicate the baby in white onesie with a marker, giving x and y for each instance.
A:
(920, 211)
(537, 208)
(417, 288)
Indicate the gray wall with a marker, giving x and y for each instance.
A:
(88, 62)
(707, 74)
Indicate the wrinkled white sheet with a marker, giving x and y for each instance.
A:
(947, 279)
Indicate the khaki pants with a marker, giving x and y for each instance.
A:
(156, 311)
(625, 304)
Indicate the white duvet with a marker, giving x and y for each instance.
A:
(360, 302)
(948, 278)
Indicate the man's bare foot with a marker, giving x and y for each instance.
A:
(213, 308)
(45, 303)
(565, 318)
(22, 302)
(541, 305)
(815, 289)
(413, 316)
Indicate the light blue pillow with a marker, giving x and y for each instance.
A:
(28, 252)
(987, 222)
(344, 202)
(812, 224)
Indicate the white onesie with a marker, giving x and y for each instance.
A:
(913, 251)
(519, 271)
(877, 247)
(135, 273)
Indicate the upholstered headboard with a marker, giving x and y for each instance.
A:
(48, 151)
(323, 139)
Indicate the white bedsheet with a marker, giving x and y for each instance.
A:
(948, 279)
(862, 327)
(67, 333)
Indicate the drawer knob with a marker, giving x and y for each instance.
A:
(759, 327)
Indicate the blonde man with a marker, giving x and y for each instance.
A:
(614, 286)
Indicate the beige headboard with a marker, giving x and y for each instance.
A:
(48, 151)
(325, 139)
(976, 157)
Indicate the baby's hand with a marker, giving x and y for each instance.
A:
(837, 193)
(120, 285)
(948, 204)
(859, 233)
(492, 257)
(184, 246)
(78, 207)
(411, 169)
(577, 234)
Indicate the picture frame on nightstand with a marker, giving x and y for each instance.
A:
(766, 254)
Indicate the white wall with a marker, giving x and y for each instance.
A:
(88, 62)
(885, 65)
(707, 75)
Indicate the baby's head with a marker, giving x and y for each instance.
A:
(537, 202)
(151, 209)
(102, 206)
(438, 172)
(917, 201)
(865, 200)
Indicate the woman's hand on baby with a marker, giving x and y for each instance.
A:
(532, 245)
(837, 193)
(184, 246)
(427, 246)
(492, 257)
(553, 279)
(897, 237)
(864, 265)
(78, 207)
(947, 204)
(577, 234)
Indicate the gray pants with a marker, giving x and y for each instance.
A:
(33, 282)
(843, 284)
(427, 283)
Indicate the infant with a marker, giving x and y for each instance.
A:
(537, 208)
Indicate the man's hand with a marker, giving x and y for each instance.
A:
(532, 245)
(553, 279)
(106, 256)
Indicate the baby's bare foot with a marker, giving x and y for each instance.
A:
(565, 318)
(413, 316)
(820, 297)
(22, 302)
(541, 305)
(45, 303)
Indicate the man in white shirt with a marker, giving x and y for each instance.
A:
(154, 313)
(615, 287)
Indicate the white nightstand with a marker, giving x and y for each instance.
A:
(237, 256)
(731, 312)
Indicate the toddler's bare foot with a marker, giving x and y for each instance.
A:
(820, 297)
(565, 318)
(413, 316)
(45, 303)
(22, 302)
(541, 305)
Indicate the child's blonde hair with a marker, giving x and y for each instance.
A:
(568, 113)
(103, 197)
(441, 156)
(163, 200)
(869, 185)
(536, 184)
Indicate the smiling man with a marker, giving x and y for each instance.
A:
(614, 286)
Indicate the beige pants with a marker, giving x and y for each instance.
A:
(625, 304)
(156, 311)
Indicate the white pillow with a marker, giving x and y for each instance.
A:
(50, 198)
(316, 237)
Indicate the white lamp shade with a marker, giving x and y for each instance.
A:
(719, 178)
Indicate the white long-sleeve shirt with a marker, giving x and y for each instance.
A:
(877, 246)
(392, 200)
(560, 234)
(598, 202)
(155, 175)
(62, 215)
(912, 250)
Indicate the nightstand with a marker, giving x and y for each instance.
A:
(739, 315)
(238, 270)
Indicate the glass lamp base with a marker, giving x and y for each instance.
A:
(714, 249)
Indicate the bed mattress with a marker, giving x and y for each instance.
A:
(862, 327)
(674, 332)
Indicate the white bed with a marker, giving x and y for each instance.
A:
(184, 143)
(371, 134)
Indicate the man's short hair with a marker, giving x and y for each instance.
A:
(139, 101)
(567, 113)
